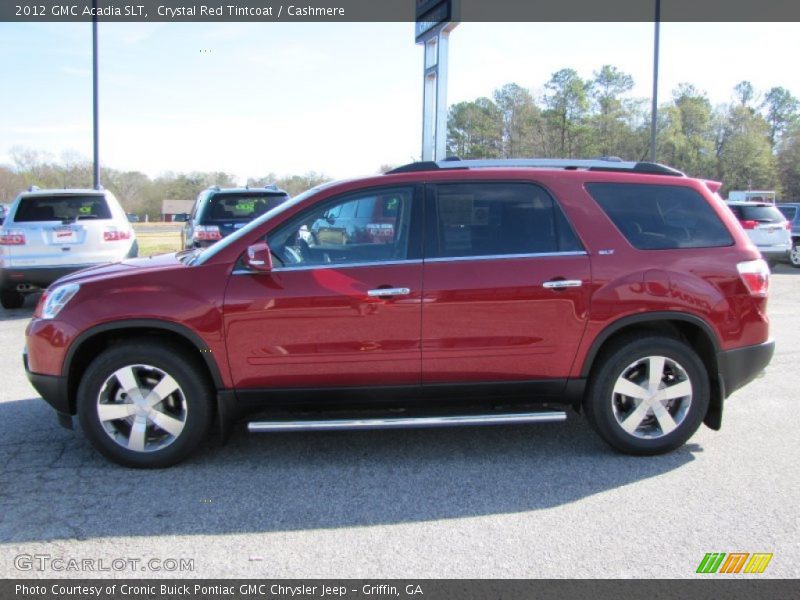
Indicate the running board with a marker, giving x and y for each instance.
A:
(406, 422)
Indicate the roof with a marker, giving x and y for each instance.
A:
(267, 189)
(63, 192)
(570, 164)
(175, 207)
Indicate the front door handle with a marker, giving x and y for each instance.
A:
(560, 284)
(388, 292)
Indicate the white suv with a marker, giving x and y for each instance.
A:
(50, 233)
(767, 228)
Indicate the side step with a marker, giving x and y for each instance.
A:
(406, 422)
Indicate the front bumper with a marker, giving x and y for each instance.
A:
(53, 388)
(740, 366)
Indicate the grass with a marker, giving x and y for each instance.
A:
(159, 242)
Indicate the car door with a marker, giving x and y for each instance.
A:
(506, 285)
(341, 307)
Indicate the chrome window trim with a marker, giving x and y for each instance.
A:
(505, 256)
(333, 266)
(415, 261)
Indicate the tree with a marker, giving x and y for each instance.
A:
(781, 112)
(566, 105)
(610, 126)
(788, 157)
(519, 115)
(475, 130)
(745, 92)
(745, 156)
(686, 141)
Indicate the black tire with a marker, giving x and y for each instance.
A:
(632, 357)
(191, 404)
(794, 255)
(11, 299)
(134, 251)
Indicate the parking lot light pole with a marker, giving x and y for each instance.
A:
(654, 111)
(95, 107)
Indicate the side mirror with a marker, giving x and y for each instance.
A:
(258, 258)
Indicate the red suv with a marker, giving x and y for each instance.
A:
(486, 292)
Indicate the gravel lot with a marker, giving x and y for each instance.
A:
(526, 501)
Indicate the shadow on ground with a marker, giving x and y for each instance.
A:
(54, 486)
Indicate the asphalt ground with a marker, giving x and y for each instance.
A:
(530, 501)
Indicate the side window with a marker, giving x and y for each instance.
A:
(496, 219)
(350, 229)
(659, 217)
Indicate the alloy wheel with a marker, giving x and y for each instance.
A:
(651, 397)
(142, 408)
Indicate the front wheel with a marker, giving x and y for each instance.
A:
(794, 254)
(143, 405)
(648, 395)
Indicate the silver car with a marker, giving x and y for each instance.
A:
(767, 228)
(50, 233)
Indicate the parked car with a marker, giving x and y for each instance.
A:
(791, 211)
(50, 233)
(500, 292)
(767, 227)
(218, 212)
(132, 217)
(3, 211)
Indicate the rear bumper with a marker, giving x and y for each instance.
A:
(53, 388)
(38, 276)
(740, 366)
(774, 252)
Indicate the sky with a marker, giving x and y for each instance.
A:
(339, 99)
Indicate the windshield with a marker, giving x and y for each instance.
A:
(209, 252)
(240, 206)
(61, 208)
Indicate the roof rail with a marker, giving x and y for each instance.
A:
(33, 188)
(611, 163)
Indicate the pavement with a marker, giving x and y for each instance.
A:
(533, 501)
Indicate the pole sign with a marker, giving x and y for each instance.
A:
(430, 16)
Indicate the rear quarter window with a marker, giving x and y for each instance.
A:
(660, 217)
(61, 208)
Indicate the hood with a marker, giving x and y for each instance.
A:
(159, 262)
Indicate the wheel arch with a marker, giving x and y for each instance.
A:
(92, 341)
(693, 329)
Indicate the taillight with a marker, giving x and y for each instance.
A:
(755, 275)
(749, 224)
(112, 234)
(206, 233)
(12, 237)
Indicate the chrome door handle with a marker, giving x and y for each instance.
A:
(562, 283)
(388, 292)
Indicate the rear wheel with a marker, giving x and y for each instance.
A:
(11, 299)
(648, 395)
(144, 406)
(794, 254)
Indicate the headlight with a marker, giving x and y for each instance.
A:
(58, 298)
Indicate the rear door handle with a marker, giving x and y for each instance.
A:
(388, 292)
(560, 284)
